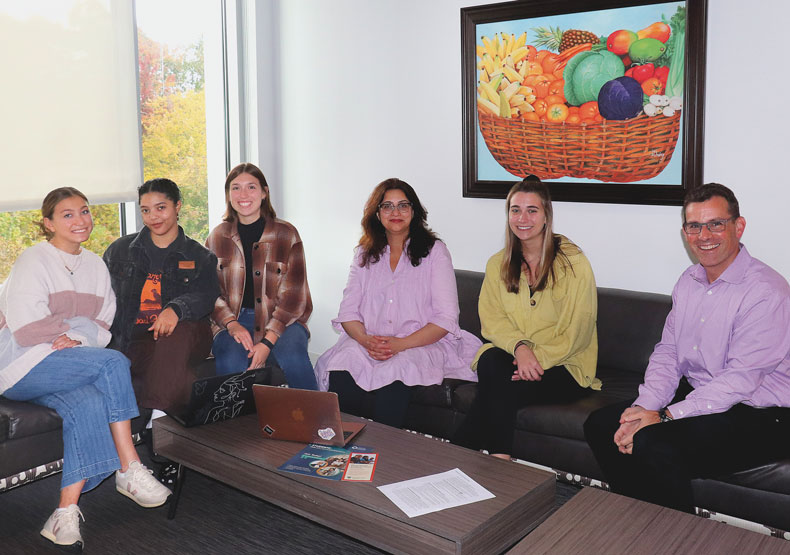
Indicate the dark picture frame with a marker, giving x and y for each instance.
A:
(690, 128)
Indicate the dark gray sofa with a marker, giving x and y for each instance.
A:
(629, 326)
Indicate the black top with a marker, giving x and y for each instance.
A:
(156, 255)
(249, 235)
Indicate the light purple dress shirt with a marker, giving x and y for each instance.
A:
(729, 338)
(398, 304)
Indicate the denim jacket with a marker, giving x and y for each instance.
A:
(189, 288)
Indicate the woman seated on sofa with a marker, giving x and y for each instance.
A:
(166, 285)
(265, 300)
(399, 314)
(55, 309)
(538, 309)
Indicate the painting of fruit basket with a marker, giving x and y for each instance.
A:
(603, 99)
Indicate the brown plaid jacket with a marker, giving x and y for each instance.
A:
(282, 295)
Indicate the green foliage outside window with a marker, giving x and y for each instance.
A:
(173, 113)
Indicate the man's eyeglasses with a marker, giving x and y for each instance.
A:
(714, 226)
(388, 207)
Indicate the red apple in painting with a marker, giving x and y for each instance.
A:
(619, 41)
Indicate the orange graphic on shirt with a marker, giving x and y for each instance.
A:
(150, 300)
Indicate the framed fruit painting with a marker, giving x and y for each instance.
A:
(602, 99)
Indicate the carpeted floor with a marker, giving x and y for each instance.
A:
(212, 518)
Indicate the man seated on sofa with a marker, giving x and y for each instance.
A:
(715, 388)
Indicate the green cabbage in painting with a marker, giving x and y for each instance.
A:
(587, 72)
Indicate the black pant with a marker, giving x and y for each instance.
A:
(491, 422)
(390, 405)
(667, 456)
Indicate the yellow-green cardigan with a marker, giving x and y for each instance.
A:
(558, 323)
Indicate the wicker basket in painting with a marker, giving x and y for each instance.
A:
(615, 151)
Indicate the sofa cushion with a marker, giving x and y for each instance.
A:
(464, 395)
(619, 386)
(26, 419)
(562, 419)
(469, 285)
(629, 326)
(433, 395)
(773, 477)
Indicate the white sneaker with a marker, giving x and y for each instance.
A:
(139, 485)
(63, 528)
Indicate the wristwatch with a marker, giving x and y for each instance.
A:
(663, 416)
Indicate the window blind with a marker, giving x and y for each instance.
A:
(68, 101)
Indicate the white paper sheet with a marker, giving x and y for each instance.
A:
(433, 493)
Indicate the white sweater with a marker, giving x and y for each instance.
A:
(41, 300)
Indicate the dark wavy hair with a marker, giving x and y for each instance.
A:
(267, 210)
(374, 236)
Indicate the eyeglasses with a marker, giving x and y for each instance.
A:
(714, 226)
(388, 207)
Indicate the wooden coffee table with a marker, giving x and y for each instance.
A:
(599, 522)
(235, 453)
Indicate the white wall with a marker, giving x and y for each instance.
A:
(372, 89)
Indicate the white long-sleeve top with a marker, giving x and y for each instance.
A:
(48, 293)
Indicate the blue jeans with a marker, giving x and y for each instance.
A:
(289, 353)
(89, 388)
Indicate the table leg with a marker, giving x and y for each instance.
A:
(180, 476)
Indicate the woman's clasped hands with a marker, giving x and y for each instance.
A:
(527, 366)
(380, 347)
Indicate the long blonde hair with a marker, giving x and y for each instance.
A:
(551, 251)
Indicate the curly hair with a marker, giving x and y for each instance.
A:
(374, 236)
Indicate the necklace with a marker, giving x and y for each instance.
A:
(70, 269)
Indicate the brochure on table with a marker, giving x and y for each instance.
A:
(352, 463)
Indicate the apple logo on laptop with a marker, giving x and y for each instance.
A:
(297, 415)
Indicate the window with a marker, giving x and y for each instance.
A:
(183, 98)
(171, 37)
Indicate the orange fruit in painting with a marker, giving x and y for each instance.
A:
(555, 99)
(530, 116)
(541, 86)
(529, 80)
(557, 113)
(557, 87)
(540, 107)
(541, 54)
(588, 110)
(534, 68)
(532, 53)
(573, 119)
(549, 63)
(652, 86)
(573, 110)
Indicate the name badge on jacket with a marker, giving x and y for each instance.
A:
(186, 264)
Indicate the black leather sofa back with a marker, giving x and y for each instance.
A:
(629, 326)
(469, 284)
